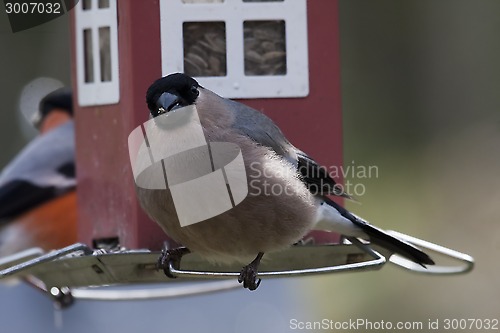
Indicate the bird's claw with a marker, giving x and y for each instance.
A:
(249, 278)
(173, 257)
(248, 274)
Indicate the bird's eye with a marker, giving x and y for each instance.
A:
(195, 91)
(160, 111)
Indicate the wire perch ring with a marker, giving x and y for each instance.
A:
(78, 272)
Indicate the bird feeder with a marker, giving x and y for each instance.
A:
(278, 56)
(255, 51)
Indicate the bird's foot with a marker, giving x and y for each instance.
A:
(248, 274)
(172, 256)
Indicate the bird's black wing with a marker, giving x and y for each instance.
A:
(316, 177)
(43, 170)
(19, 196)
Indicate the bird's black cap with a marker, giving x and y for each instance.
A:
(178, 84)
(61, 98)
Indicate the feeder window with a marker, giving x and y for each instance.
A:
(204, 48)
(265, 47)
(89, 60)
(97, 52)
(86, 4)
(238, 48)
(103, 3)
(105, 53)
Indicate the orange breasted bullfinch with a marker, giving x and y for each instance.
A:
(37, 188)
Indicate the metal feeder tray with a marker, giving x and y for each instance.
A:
(76, 271)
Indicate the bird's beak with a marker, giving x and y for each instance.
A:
(168, 102)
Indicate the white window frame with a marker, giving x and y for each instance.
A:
(97, 92)
(295, 83)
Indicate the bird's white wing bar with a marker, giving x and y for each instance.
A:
(328, 218)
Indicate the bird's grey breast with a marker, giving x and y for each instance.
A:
(41, 159)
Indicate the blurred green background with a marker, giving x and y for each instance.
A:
(421, 101)
(40, 52)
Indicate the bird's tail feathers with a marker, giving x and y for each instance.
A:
(381, 238)
(396, 245)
